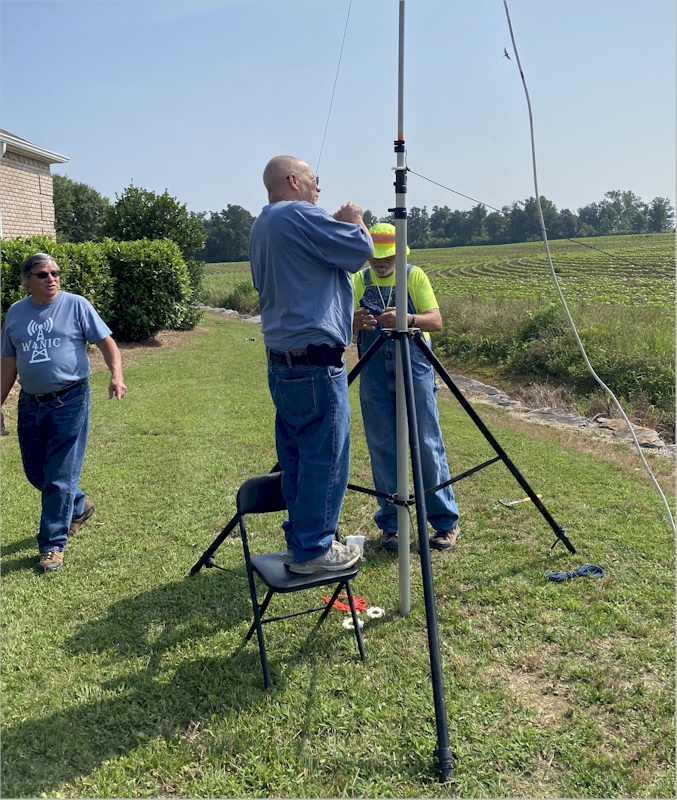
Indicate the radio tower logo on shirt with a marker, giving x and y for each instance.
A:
(38, 329)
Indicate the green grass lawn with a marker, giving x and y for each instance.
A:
(122, 677)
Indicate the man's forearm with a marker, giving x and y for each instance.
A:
(111, 355)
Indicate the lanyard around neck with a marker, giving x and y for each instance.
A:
(390, 295)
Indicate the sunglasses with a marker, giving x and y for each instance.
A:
(42, 275)
(315, 178)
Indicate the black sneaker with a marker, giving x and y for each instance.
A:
(389, 540)
(444, 540)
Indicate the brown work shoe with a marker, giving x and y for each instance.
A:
(78, 522)
(51, 560)
(444, 540)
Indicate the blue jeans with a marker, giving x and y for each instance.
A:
(377, 399)
(312, 433)
(53, 438)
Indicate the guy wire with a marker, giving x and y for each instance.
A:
(530, 224)
(331, 103)
(559, 291)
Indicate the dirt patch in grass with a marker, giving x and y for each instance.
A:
(546, 696)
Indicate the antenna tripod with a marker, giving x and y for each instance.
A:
(403, 339)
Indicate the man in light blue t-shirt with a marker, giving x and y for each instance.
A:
(301, 260)
(44, 342)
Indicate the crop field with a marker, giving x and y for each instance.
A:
(638, 271)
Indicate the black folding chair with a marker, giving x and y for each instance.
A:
(260, 495)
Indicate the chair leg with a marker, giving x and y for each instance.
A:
(259, 628)
(356, 624)
(330, 603)
(262, 611)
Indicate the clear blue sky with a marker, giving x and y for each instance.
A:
(195, 97)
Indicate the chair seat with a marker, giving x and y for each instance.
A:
(274, 573)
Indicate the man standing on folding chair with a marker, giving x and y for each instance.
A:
(301, 258)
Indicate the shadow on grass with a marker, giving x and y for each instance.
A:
(151, 643)
(23, 563)
(30, 543)
(27, 563)
(156, 690)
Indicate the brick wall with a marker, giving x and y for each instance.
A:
(26, 198)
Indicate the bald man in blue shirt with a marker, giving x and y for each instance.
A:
(301, 260)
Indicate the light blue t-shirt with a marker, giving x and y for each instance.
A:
(49, 341)
(300, 259)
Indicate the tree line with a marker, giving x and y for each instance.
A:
(82, 214)
(619, 212)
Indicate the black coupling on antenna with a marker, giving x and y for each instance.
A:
(399, 145)
(399, 213)
(400, 181)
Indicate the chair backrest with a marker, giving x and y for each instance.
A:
(261, 494)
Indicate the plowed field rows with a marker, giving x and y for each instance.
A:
(633, 271)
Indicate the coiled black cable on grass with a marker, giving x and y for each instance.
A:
(586, 571)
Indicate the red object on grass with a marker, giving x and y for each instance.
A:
(360, 603)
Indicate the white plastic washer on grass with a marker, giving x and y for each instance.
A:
(374, 612)
(349, 625)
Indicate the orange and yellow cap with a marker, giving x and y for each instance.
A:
(383, 236)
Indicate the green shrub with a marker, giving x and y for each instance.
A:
(631, 350)
(86, 271)
(243, 298)
(192, 314)
(152, 287)
(138, 288)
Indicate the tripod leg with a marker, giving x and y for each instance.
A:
(470, 411)
(367, 357)
(444, 752)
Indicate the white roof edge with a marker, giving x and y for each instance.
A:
(21, 146)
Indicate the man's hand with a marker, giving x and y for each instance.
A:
(428, 321)
(117, 388)
(363, 320)
(349, 212)
(389, 317)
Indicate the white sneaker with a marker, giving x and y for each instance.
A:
(337, 558)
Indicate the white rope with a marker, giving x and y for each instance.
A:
(559, 291)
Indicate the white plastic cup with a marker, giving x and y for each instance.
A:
(359, 541)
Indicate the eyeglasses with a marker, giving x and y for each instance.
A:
(42, 275)
(315, 178)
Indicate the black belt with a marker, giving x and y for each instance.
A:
(41, 398)
(315, 355)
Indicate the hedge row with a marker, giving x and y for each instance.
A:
(139, 288)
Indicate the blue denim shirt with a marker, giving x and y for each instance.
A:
(300, 259)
